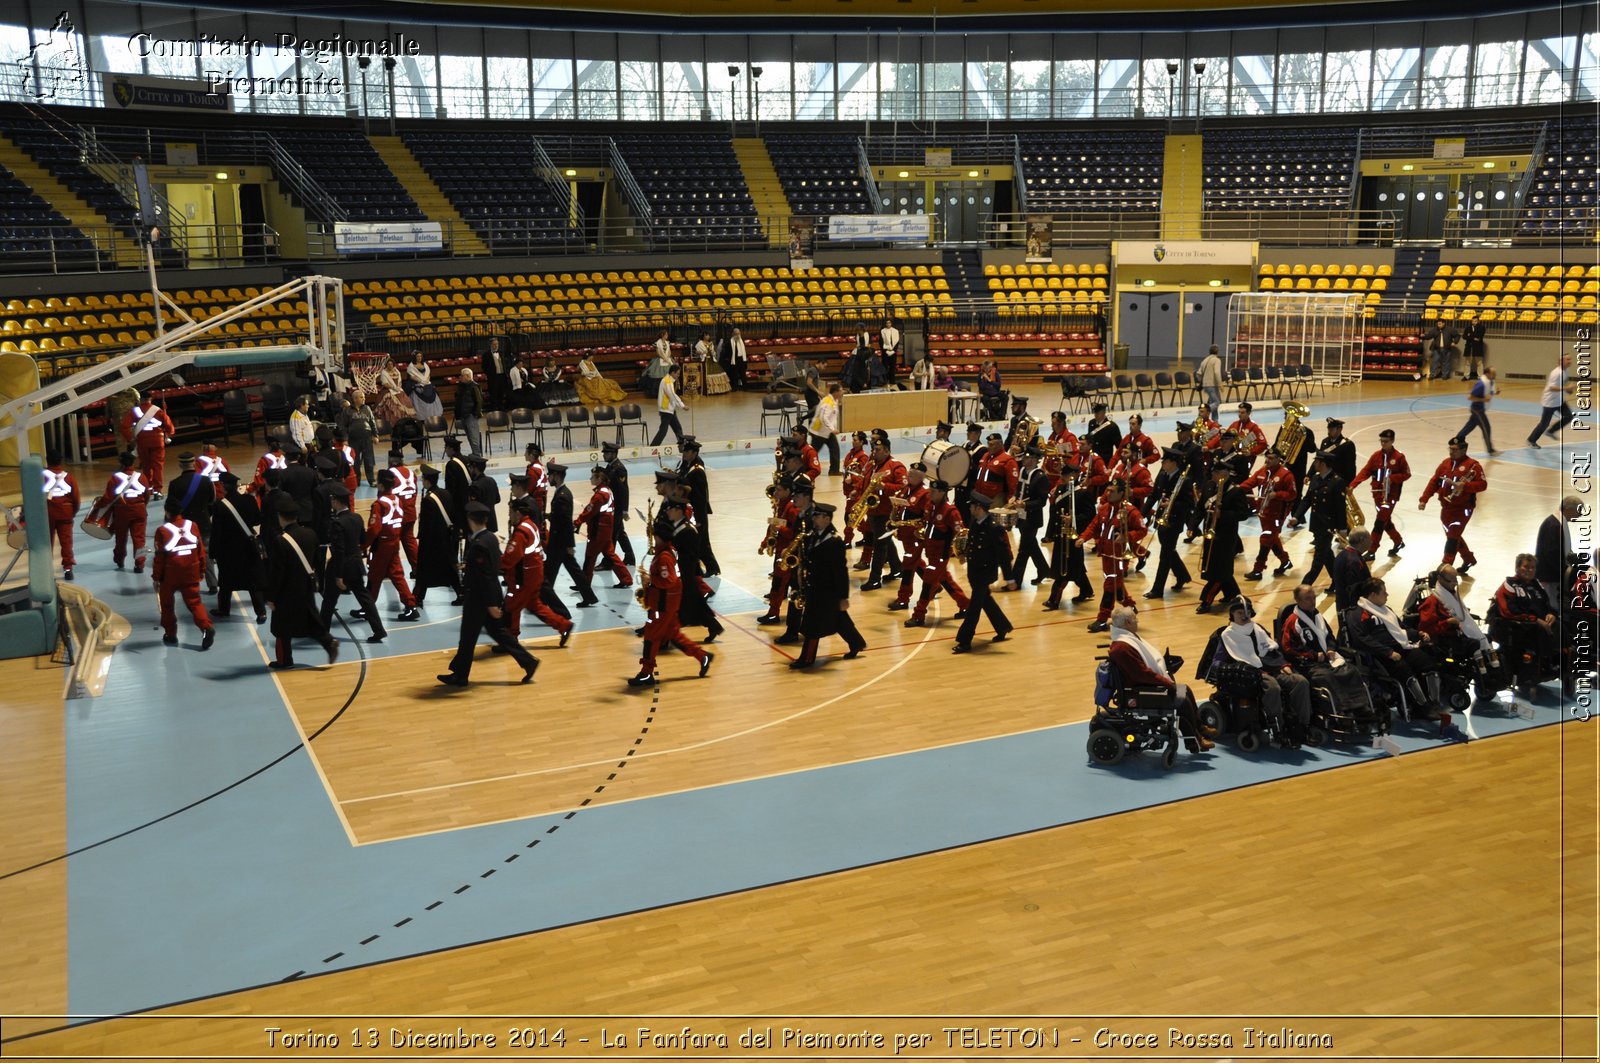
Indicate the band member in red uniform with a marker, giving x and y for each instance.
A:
(600, 516)
(1116, 530)
(1248, 438)
(538, 477)
(148, 425)
(272, 459)
(344, 452)
(405, 490)
(913, 509)
(126, 493)
(1457, 481)
(1272, 491)
(1059, 448)
(178, 566)
(384, 525)
(890, 477)
(61, 505)
(810, 464)
(782, 527)
(1134, 476)
(210, 465)
(661, 594)
(522, 566)
(1206, 427)
(857, 466)
(997, 472)
(1082, 480)
(1148, 452)
(1388, 470)
(941, 522)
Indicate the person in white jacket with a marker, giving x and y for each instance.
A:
(824, 427)
(667, 406)
(301, 428)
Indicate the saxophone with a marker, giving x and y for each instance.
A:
(794, 560)
(789, 560)
(1165, 516)
(870, 498)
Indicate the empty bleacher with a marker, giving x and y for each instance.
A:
(1093, 171)
(696, 189)
(492, 180)
(1561, 201)
(1535, 293)
(35, 235)
(63, 160)
(820, 173)
(350, 170)
(1041, 287)
(1279, 169)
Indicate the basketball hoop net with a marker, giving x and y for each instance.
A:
(364, 369)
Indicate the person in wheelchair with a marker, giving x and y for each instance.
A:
(1285, 696)
(1139, 664)
(1454, 634)
(1378, 633)
(1523, 621)
(1311, 650)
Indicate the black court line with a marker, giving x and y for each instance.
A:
(361, 677)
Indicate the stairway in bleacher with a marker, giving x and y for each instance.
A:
(429, 198)
(963, 270)
(1414, 270)
(1182, 188)
(69, 205)
(766, 191)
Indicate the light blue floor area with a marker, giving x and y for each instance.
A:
(259, 882)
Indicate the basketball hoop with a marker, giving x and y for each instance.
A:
(364, 369)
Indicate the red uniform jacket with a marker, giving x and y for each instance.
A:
(383, 523)
(269, 460)
(856, 463)
(352, 479)
(1257, 438)
(1387, 472)
(523, 554)
(180, 556)
(599, 514)
(939, 526)
(1435, 621)
(60, 493)
(666, 588)
(1522, 601)
(997, 476)
(211, 466)
(126, 489)
(915, 508)
(809, 463)
(1149, 453)
(1137, 479)
(1098, 475)
(1276, 491)
(538, 483)
(405, 490)
(1462, 478)
(156, 431)
(892, 483)
(1108, 524)
(780, 538)
(1064, 441)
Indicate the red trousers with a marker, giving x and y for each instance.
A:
(936, 577)
(603, 543)
(1271, 540)
(525, 597)
(1383, 521)
(61, 531)
(781, 579)
(190, 589)
(1115, 590)
(658, 633)
(910, 564)
(408, 540)
(153, 461)
(385, 565)
(1454, 519)
(128, 522)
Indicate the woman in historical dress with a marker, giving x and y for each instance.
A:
(594, 389)
(392, 403)
(419, 385)
(716, 378)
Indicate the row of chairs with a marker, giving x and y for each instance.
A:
(1137, 391)
(564, 421)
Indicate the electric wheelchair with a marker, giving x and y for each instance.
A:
(1364, 719)
(1235, 704)
(1134, 719)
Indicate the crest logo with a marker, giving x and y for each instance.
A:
(1161, 252)
(52, 62)
(122, 91)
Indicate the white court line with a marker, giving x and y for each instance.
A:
(288, 707)
(930, 631)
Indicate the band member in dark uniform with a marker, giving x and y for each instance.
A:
(1228, 506)
(345, 573)
(693, 473)
(800, 494)
(1325, 499)
(1034, 494)
(1174, 495)
(235, 520)
(1082, 480)
(974, 447)
(825, 585)
(438, 542)
(617, 480)
(562, 549)
(483, 608)
(693, 609)
(988, 554)
(1103, 434)
(457, 482)
(1341, 451)
(290, 588)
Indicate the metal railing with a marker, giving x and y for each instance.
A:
(637, 200)
(965, 148)
(1513, 138)
(1288, 228)
(298, 179)
(1019, 180)
(1537, 226)
(865, 165)
(551, 175)
(61, 248)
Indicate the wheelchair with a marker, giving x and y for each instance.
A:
(1526, 662)
(1463, 670)
(1235, 704)
(1134, 719)
(1366, 721)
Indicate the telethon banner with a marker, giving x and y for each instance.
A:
(355, 237)
(1041, 237)
(879, 228)
(802, 243)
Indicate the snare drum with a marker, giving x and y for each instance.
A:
(97, 525)
(946, 461)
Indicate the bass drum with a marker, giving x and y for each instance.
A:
(946, 461)
(97, 525)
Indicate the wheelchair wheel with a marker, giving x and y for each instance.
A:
(1250, 741)
(1316, 736)
(1169, 755)
(1459, 698)
(1213, 719)
(1106, 747)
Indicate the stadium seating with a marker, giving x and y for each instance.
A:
(491, 181)
(1515, 292)
(820, 173)
(1279, 169)
(1043, 287)
(349, 168)
(1561, 201)
(1093, 171)
(695, 188)
(33, 235)
(63, 159)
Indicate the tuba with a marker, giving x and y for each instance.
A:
(1352, 510)
(1026, 435)
(1292, 435)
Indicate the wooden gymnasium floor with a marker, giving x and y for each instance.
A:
(910, 834)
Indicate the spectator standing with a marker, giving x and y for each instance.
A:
(1209, 376)
(1553, 403)
(1483, 391)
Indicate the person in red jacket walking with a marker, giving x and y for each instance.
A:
(383, 545)
(405, 490)
(600, 516)
(661, 593)
(1116, 531)
(1388, 470)
(940, 524)
(1274, 489)
(127, 494)
(1457, 481)
(61, 505)
(148, 425)
(522, 567)
(178, 567)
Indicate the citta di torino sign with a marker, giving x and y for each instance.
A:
(1185, 252)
